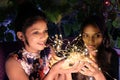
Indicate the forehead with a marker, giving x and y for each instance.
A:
(41, 25)
(91, 29)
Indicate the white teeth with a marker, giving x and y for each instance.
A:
(43, 44)
(96, 50)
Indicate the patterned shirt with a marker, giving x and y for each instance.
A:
(36, 66)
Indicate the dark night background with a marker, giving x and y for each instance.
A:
(64, 16)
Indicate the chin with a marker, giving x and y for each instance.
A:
(40, 47)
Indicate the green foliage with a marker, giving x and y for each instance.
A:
(6, 6)
(54, 17)
(117, 43)
(69, 28)
(116, 22)
(119, 7)
(57, 10)
(5, 3)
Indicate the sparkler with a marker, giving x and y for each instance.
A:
(76, 45)
(73, 51)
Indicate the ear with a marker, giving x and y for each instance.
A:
(20, 36)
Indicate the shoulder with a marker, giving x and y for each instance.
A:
(113, 57)
(114, 63)
(14, 69)
(114, 54)
(12, 63)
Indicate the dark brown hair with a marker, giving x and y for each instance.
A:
(27, 15)
(105, 52)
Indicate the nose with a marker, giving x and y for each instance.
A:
(91, 40)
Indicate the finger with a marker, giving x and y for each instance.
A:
(78, 66)
(85, 71)
(89, 67)
(92, 62)
(81, 64)
(90, 70)
(74, 68)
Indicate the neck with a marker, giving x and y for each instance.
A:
(37, 52)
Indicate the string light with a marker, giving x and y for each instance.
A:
(107, 2)
(72, 50)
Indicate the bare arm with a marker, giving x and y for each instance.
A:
(14, 70)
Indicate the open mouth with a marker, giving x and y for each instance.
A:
(42, 44)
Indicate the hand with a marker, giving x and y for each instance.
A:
(59, 67)
(92, 53)
(58, 70)
(91, 69)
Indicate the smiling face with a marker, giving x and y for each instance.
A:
(35, 36)
(92, 37)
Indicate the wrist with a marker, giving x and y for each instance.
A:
(50, 75)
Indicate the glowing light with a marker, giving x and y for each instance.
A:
(107, 2)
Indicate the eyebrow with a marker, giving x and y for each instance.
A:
(39, 29)
(94, 33)
(99, 33)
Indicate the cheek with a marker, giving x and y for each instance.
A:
(85, 41)
(98, 42)
(32, 39)
(46, 35)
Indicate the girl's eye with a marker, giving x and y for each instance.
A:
(98, 35)
(36, 32)
(46, 31)
(84, 35)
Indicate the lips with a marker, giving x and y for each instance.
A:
(91, 47)
(42, 44)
